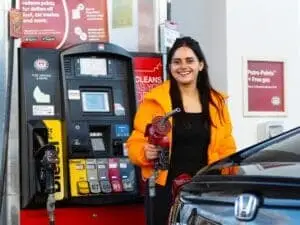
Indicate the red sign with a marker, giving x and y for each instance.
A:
(61, 23)
(148, 72)
(265, 86)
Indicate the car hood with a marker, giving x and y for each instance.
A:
(214, 196)
(264, 177)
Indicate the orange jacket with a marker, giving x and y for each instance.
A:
(157, 102)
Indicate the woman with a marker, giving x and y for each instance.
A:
(201, 132)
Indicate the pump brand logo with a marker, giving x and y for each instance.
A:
(41, 64)
(101, 47)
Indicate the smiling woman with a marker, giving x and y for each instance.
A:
(200, 134)
(185, 66)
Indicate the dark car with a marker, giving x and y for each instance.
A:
(258, 185)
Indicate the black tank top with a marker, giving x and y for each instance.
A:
(190, 142)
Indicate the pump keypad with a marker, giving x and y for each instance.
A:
(101, 176)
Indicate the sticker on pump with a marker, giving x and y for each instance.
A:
(40, 96)
(119, 109)
(43, 110)
(123, 165)
(73, 94)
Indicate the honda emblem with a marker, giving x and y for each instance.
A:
(245, 207)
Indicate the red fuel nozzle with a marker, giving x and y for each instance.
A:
(157, 135)
(159, 128)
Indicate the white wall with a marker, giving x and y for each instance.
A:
(268, 28)
(125, 37)
(230, 29)
(128, 37)
(204, 21)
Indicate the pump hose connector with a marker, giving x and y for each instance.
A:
(169, 114)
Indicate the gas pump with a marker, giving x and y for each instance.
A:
(81, 101)
(99, 97)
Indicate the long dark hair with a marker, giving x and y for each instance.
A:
(203, 84)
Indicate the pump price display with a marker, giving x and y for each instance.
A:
(93, 67)
(95, 101)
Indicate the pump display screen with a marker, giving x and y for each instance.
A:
(93, 66)
(95, 101)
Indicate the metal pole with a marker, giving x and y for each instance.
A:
(169, 3)
(11, 197)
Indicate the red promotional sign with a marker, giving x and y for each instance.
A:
(148, 72)
(61, 23)
(265, 87)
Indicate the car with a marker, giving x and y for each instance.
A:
(258, 185)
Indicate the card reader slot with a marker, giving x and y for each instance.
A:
(99, 138)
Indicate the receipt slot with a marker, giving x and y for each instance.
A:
(99, 107)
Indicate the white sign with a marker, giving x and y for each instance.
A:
(170, 33)
(40, 97)
(123, 165)
(170, 37)
(43, 110)
(74, 94)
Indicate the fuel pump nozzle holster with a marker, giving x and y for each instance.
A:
(49, 162)
(47, 159)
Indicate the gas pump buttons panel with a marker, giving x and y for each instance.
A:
(101, 176)
(92, 176)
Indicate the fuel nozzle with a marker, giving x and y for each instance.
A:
(49, 161)
(159, 128)
(50, 158)
(157, 135)
(161, 124)
(169, 114)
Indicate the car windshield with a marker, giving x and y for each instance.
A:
(284, 150)
(279, 156)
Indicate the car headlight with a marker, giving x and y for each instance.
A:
(196, 219)
(193, 219)
(175, 212)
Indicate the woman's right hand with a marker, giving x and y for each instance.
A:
(151, 151)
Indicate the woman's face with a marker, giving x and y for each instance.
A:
(185, 66)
